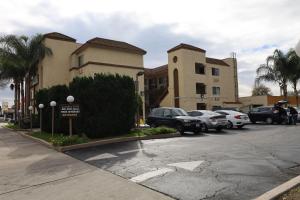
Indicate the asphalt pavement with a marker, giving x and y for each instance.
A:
(233, 164)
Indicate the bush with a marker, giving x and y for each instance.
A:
(60, 139)
(107, 105)
(59, 94)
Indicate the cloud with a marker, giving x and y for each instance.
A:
(252, 29)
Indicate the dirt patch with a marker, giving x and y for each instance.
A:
(293, 194)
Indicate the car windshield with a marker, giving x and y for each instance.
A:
(179, 112)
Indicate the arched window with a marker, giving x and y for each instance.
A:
(176, 88)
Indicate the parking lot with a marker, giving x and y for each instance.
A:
(233, 164)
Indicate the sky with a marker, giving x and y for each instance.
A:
(252, 29)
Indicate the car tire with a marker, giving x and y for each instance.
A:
(153, 125)
(240, 126)
(219, 129)
(205, 128)
(180, 128)
(269, 120)
(230, 125)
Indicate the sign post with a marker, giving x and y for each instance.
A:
(70, 111)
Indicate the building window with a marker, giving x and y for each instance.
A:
(215, 71)
(80, 60)
(201, 106)
(160, 80)
(199, 68)
(216, 91)
(200, 88)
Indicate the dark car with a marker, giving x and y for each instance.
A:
(175, 118)
(268, 114)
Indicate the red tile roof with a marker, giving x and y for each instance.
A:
(186, 46)
(59, 36)
(216, 61)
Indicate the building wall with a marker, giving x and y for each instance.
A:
(188, 78)
(54, 69)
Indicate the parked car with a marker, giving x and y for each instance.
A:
(235, 119)
(268, 114)
(210, 119)
(175, 118)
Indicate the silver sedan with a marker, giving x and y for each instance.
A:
(210, 119)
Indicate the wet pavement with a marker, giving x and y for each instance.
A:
(233, 164)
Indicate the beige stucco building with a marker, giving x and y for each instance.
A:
(195, 81)
(70, 59)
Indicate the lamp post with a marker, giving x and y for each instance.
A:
(52, 104)
(140, 73)
(30, 108)
(70, 100)
(19, 113)
(297, 48)
(41, 106)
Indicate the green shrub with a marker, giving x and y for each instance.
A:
(107, 105)
(60, 139)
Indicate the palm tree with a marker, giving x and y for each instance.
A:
(26, 53)
(10, 72)
(275, 70)
(294, 72)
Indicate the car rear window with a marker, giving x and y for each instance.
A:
(157, 112)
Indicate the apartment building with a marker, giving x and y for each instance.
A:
(70, 59)
(191, 80)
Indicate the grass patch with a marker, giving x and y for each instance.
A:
(151, 131)
(63, 140)
(12, 126)
(60, 139)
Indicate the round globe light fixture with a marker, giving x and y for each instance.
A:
(70, 99)
(297, 49)
(30, 108)
(52, 103)
(41, 106)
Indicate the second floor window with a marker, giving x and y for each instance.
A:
(199, 68)
(80, 60)
(216, 91)
(215, 71)
(200, 88)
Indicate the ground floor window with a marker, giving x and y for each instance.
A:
(201, 106)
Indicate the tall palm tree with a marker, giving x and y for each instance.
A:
(10, 72)
(27, 52)
(275, 70)
(294, 72)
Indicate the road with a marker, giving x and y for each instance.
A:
(234, 164)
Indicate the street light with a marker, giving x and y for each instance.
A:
(70, 100)
(20, 112)
(52, 104)
(140, 73)
(30, 108)
(297, 49)
(41, 106)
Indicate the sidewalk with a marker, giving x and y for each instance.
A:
(30, 171)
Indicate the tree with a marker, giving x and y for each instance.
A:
(261, 90)
(275, 70)
(25, 53)
(294, 72)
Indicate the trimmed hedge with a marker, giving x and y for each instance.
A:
(107, 105)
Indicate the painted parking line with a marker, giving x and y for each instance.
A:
(187, 165)
(148, 175)
(130, 151)
(101, 156)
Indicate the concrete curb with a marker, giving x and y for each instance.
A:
(93, 143)
(115, 140)
(281, 189)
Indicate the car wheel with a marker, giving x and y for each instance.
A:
(180, 128)
(229, 125)
(205, 128)
(240, 126)
(219, 129)
(269, 120)
(153, 125)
